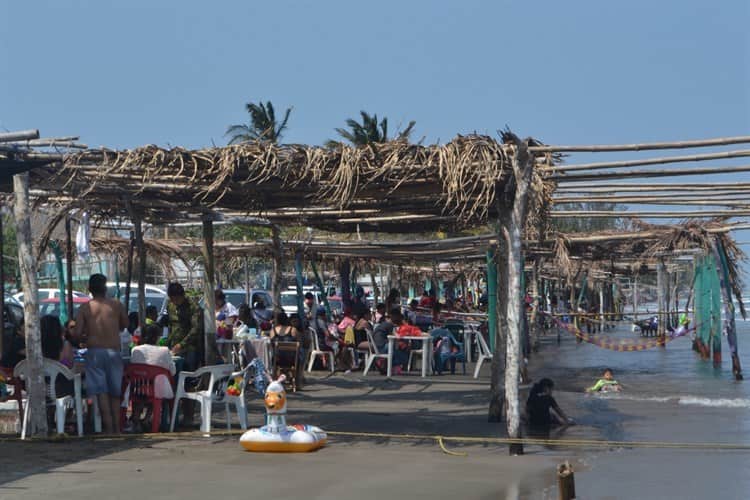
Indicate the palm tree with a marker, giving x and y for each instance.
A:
(369, 131)
(263, 125)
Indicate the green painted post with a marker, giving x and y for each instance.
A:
(298, 276)
(492, 297)
(322, 289)
(60, 280)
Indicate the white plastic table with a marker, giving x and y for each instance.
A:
(426, 351)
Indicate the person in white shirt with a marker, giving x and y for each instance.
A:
(149, 353)
(225, 309)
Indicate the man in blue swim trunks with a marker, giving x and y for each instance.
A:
(98, 324)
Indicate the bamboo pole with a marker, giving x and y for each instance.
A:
(277, 255)
(35, 384)
(598, 187)
(141, 247)
(668, 215)
(650, 161)
(69, 264)
(2, 283)
(645, 146)
(129, 272)
(20, 135)
(563, 178)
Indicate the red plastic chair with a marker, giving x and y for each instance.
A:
(140, 378)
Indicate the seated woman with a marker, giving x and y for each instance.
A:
(149, 353)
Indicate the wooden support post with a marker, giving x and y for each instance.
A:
(374, 284)
(635, 298)
(129, 271)
(534, 315)
(141, 247)
(300, 289)
(209, 284)
(35, 385)
(247, 281)
(2, 284)
(344, 277)
(69, 264)
(492, 296)
(277, 278)
(523, 166)
(661, 298)
(566, 482)
(601, 307)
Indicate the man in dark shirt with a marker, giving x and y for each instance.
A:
(540, 407)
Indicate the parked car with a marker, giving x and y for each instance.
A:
(237, 296)
(52, 306)
(150, 289)
(47, 293)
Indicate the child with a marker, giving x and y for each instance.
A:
(605, 384)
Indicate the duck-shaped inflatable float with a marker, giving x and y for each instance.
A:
(276, 436)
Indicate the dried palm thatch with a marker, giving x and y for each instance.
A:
(159, 251)
(392, 183)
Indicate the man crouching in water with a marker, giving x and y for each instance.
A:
(98, 324)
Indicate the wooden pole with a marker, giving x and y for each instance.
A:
(247, 281)
(566, 483)
(655, 215)
(129, 272)
(523, 165)
(635, 298)
(2, 284)
(650, 161)
(277, 255)
(21, 135)
(69, 266)
(719, 141)
(563, 178)
(661, 298)
(141, 247)
(346, 289)
(35, 384)
(209, 285)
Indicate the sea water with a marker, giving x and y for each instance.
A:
(669, 395)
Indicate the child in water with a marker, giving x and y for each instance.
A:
(605, 384)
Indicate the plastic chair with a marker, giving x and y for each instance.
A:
(218, 377)
(413, 353)
(288, 369)
(239, 401)
(441, 357)
(373, 353)
(51, 370)
(484, 353)
(140, 380)
(456, 327)
(317, 352)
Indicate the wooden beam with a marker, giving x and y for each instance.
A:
(628, 214)
(645, 146)
(565, 178)
(209, 285)
(650, 161)
(20, 135)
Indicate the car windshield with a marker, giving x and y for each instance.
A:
(53, 308)
(289, 299)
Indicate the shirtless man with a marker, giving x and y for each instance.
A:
(98, 324)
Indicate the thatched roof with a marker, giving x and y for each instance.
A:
(387, 187)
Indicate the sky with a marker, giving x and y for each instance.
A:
(125, 74)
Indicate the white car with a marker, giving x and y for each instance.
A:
(150, 289)
(289, 300)
(49, 293)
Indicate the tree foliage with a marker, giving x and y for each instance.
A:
(369, 131)
(262, 127)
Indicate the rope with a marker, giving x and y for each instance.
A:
(572, 443)
(620, 345)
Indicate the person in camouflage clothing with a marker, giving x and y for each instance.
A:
(185, 322)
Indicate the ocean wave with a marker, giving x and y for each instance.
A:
(683, 400)
(715, 403)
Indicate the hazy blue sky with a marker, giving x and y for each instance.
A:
(178, 73)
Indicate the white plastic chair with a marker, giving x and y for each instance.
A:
(316, 352)
(484, 353)
(373, 354)
(217, 384)
(62, 404)
(419, 352)
(239, 401)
